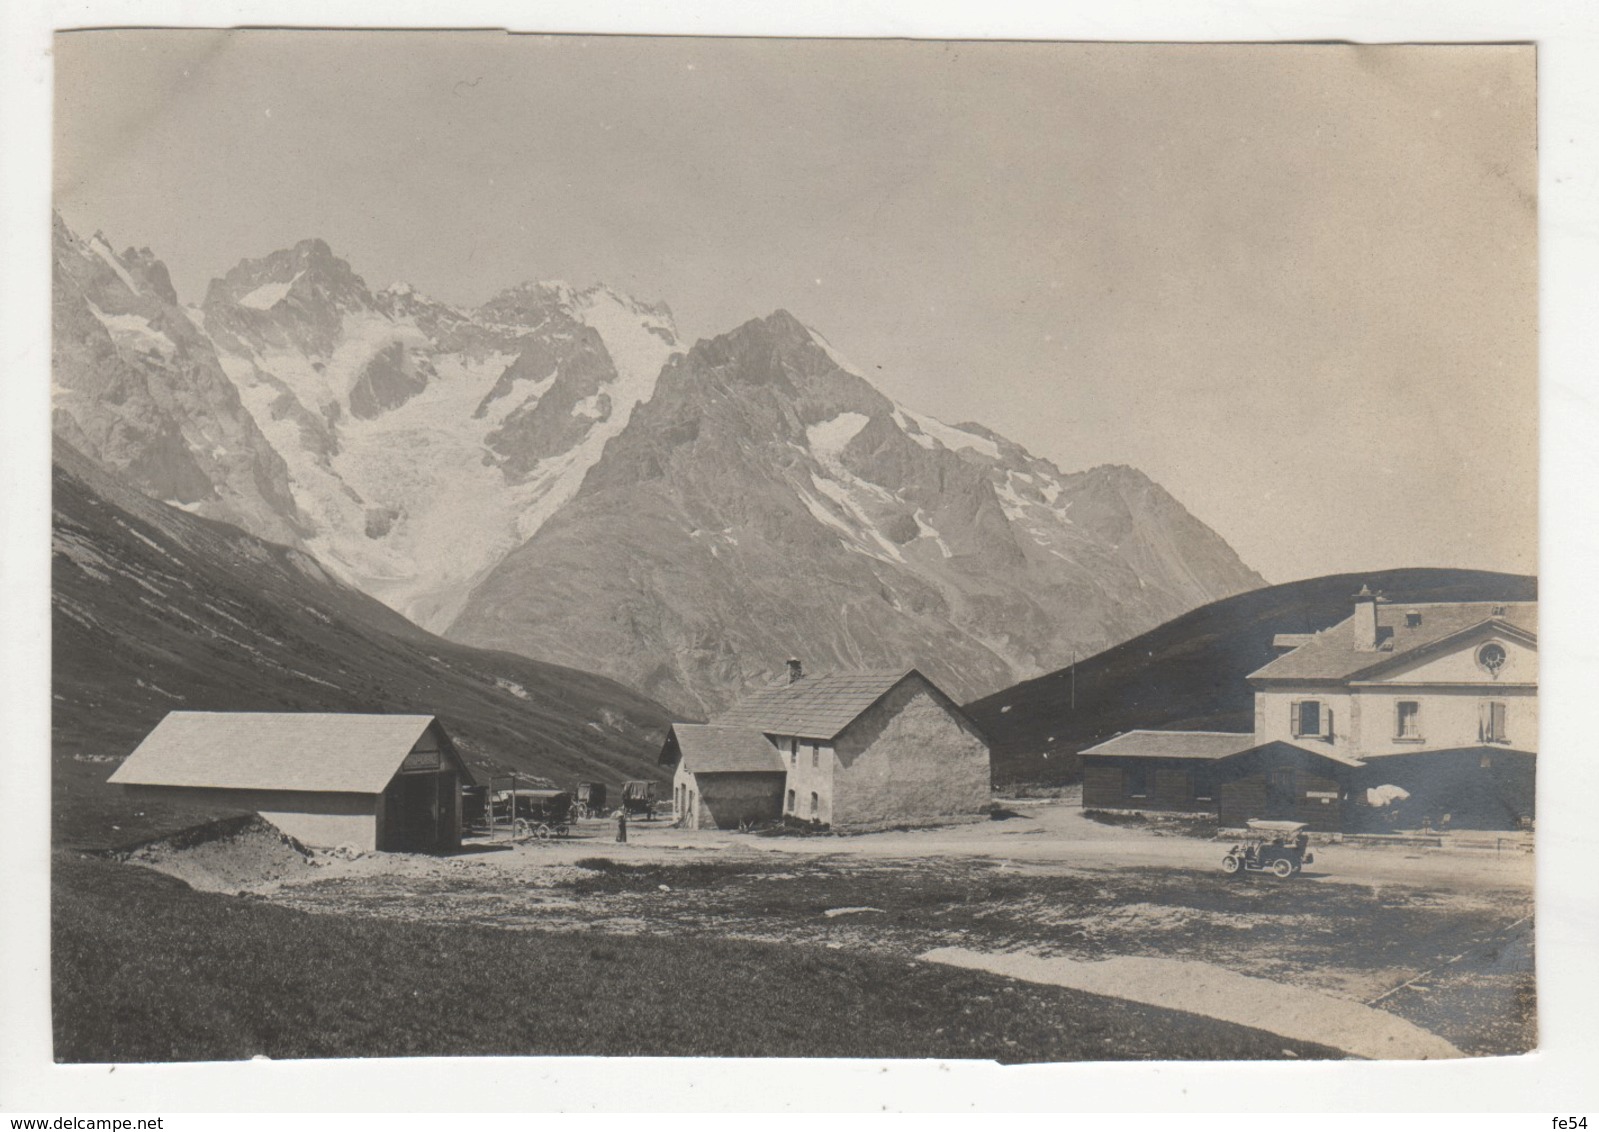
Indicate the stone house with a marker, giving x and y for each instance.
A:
(855, 750)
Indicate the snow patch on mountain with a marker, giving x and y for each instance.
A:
(102, 249)
(928, 431)
(828, 439)
(268, 295)
(925, 529)
(856, 523)
(133, 331)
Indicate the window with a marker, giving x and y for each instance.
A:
(816, 805)
(1407, 720)
(816, 754)
(1491, 729)
(1492, 657)
(1413, 619)
(790, 806)
(1204, 785)
(1135, 782)
(793, 752)
(1309, 720)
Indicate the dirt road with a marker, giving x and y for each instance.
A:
(1056, 835)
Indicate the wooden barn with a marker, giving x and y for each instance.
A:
(1223, 774)
(726, 776)
(386, 782)
(855, 750)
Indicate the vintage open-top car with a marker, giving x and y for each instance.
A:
(1281, 848)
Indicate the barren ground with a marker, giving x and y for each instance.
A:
(1442, 940)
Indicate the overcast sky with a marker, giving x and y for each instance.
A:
(1295, 285)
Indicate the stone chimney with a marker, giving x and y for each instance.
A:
(1365, 622)
(796, 671)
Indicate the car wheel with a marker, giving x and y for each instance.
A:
(1282, 868)
(1230, 865)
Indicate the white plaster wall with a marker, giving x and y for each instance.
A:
(1459, 666)
(1449, 718)
(327, 831)
(815, 771)
(1274, 716)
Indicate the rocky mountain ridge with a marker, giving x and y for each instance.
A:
(552, 473)
(768, 501)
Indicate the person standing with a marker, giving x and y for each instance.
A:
(621, 826)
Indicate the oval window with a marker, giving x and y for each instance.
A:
(1492, 658)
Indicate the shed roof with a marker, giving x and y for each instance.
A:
(707, 748)
(1331, 653)
(1209, 746)
(1176, 744)
(814, 707)
(344, 753)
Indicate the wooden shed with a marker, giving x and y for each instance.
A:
(1280, 781)
(386, 782)
(1174, 771)
(1227, 774)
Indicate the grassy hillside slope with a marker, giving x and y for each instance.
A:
(154, 610)
(1189, 673)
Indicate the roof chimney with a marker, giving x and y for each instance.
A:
(795, 670)
(1365, 622)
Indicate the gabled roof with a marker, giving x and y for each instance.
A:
(1331, 653)
(355, 754)
(1206, 746)
(1176, 744)
(813, 707)
(705, 748)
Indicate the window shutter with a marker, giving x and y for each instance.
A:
(1293, 718)
(1326, 723)
(1496, 716)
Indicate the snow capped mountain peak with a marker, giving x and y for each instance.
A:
(424, 441)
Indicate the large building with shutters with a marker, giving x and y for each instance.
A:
(388, 782)
(1399, 715)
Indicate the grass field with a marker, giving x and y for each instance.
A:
(146, 969)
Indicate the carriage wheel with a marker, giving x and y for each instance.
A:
(542, 832)
(1230, 865)
(521, 830)
(1282, 868)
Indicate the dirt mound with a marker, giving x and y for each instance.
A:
(226, 856)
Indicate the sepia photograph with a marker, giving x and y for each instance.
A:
(685, 547)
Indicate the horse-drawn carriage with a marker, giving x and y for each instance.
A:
(638, 797)
(590, 801)
(528, 813)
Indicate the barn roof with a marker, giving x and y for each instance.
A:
(1176, 744)
(814, 707)
(707, 748)
(355, 754)
(1331, 653)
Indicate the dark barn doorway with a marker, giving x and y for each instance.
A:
(416, 815)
